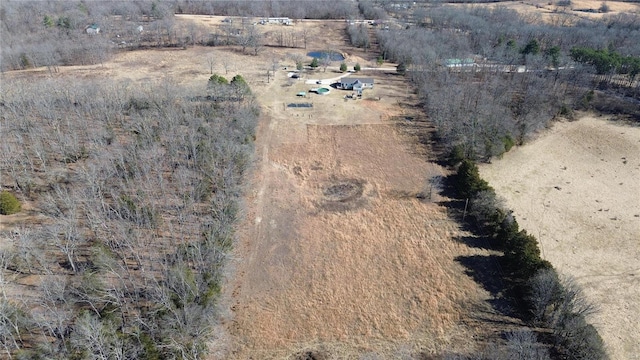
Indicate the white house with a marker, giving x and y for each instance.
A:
(356, 84)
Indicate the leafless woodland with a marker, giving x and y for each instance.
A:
(137, 189)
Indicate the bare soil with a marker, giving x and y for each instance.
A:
(576, 189)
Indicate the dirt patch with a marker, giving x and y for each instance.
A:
(343, 195)
(343, 190)
(311, 355)
(576, 189)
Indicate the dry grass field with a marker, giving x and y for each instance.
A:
(550, 12)
(576, 189)
(337, 257)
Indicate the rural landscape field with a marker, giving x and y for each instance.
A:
(189, 180)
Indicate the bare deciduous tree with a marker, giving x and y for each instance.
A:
(212, 59)
(523, 345)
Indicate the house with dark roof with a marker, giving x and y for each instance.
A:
(356, 84)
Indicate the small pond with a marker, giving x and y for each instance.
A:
(333, 55)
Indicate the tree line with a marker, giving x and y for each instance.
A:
(608, 62)
(516, 78)
(542, 297)
(138, 189)
(513, 77)
(327, 9)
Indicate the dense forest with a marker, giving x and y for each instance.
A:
(139, 187)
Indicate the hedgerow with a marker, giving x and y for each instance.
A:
(540, 295)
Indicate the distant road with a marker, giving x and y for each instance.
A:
(336, 68)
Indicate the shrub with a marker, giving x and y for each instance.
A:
(456, 155)
(8, 203)
(299, 65)
(143, 216)
(343, 67)
(604, 8)
(24, 61)
(47, 21)
(216, 79)
(357, 67)
(587, 99)
(566, 111)
(508, 143)
(150, 349)
(64, 22)
(380, 60)
(314, 63)
(467, 181)
(138, 104)
(401, 68)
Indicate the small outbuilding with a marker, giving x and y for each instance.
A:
(275, 20)
(92, 29)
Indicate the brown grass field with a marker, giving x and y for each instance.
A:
(546, 11)
(576, 189)
(337, 256)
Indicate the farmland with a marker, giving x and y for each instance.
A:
(186, 193)
(580, 198)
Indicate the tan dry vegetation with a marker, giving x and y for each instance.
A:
(550, 12)
(576, 189)
(371, 273)
(370, 270)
